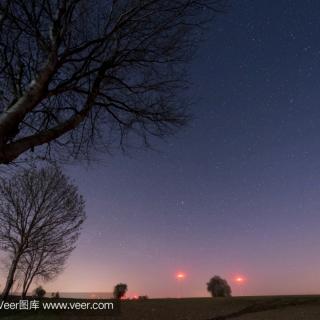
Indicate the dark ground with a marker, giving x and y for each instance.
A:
(242, 308)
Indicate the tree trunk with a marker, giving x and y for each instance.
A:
(26, 287)
(24, 290)
(10, 278)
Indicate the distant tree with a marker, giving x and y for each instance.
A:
(219, 287)
(79, 75)
(120, 290)
(41, 214)
(143, 298)
(55, 295)
(39, 292)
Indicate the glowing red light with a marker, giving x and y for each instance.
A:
(239, 280)
(180, 276)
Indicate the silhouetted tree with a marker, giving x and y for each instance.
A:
(39, 292)
(77, 74)
(41, 214)
(44, 263)
(55, 295)
(120, 290)
(219, 287)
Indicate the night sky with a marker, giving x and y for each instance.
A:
(237, 193)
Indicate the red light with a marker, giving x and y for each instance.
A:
(180, 275)
(239, 279)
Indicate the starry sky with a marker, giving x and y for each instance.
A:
(237, 193)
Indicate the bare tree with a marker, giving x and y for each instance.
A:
(77, 74)
(40, 212)
(45, 262)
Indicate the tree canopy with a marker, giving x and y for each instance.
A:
(219, 287)
(83, 75)
(120, 290)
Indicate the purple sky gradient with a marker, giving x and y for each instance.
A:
(237, 192)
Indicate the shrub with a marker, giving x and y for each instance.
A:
(120, 290)
(55, 295)
(39, 292)
(219, 287)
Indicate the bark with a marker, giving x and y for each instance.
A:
(10, 278)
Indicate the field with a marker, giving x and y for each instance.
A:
(237, 308)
